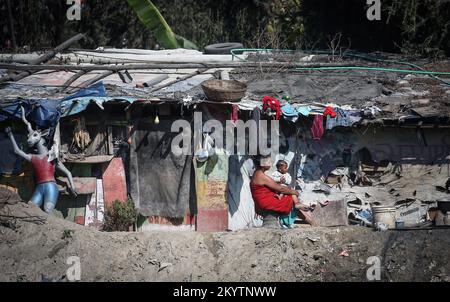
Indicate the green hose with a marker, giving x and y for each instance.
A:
(375, 68)
(235, 52)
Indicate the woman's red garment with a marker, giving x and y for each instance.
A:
(265, 200)
(44, 171)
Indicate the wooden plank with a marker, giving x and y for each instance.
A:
(334, 214)
(83, 185)
(211, 184)
(100, 202)
(91, 208)
(110, 141)
(72, 208)
(114, 181)
(212, 220)
(97, 159)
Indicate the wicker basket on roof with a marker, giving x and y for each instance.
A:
(224, 90)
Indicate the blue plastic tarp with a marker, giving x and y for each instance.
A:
(44, 113)
(75, 106)
(95, 94)
(97, 90)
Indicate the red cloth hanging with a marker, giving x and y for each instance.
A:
(234, 113)
(329, 111)
(317, 130)
(270, 103)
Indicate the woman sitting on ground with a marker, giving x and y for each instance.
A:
(265, 193)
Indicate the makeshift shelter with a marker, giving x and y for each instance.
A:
(356, 136)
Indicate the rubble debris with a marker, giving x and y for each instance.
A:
(344, 253)
(164, 265)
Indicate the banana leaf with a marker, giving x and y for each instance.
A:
(152, 18)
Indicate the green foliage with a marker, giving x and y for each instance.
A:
(120, 216)
(67, 234)
(413, 27)
(152, 18)
(424, 26)
(286, 20)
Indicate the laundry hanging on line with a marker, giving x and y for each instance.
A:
(343, 118)
(317, 130)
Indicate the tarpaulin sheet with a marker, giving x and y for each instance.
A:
(75, 106)
(97, 89)
(44, 113)
(162, 184)
(96, 94)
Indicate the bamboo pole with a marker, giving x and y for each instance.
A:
(44, 58)
(171, 65)
(93, 80)
(180, 79)
(73, 79)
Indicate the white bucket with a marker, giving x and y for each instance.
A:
(384, 215)
(447, 218)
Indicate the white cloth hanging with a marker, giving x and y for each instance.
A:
(241, 208)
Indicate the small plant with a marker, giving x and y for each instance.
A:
(67, 234)
(120, 216)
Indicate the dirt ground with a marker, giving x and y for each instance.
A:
(35, 247)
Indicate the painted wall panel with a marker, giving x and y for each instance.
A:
(114, 181)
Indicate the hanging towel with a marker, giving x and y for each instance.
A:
(317, 127)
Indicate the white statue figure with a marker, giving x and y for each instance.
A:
(46, 191)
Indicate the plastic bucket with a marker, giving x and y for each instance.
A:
(384, 215)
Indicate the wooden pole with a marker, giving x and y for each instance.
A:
(163, 65)
(180, 79)
(93, 80)
(73, 79)
(44, 58)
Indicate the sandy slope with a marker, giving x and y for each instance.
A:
(29, 251)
